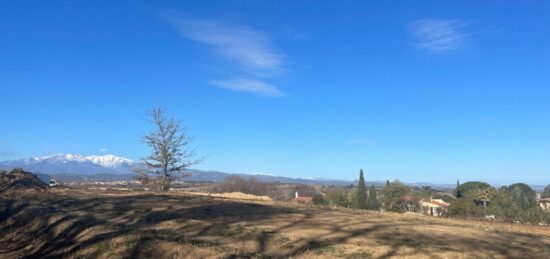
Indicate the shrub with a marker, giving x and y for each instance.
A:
(372, 201)
(464, 207)
(393, 193)
(502, 206)
(304, 190)
(244, 185)
(523, 196)
(469, 189)
(534, 215)
(318, 199)
(337, 197)
(351, 197)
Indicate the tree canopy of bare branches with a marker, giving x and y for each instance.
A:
(170, 155)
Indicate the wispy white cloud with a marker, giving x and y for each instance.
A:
(103, 150)
(243, 44)
(250, 49)
(248, 85)
(438, 35)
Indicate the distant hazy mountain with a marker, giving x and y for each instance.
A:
(67, 177)
(215, 176)
(196, 176)
(73, 167)
(73, 164)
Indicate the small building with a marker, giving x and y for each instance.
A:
(53, 182)
(302, 199)
(433, 207)
(545, 203)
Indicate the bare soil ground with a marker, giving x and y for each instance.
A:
(107, 224)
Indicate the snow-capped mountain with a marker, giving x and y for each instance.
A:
(74, 167)
(110, 161)
(73, 163)
(59, 158)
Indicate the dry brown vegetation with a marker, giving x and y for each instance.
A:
(19, 180)
(110, 224)
(251, 185)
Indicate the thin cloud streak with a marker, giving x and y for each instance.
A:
(248, 85)
(243, 44)
(439, 35)
(250, 48)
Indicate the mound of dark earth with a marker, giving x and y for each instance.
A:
(17, 179)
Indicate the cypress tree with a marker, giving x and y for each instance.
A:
(361, 192)
(372, 202)
(387, 183)
(458, 194)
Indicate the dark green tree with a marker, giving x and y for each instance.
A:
(393, 195)
(387, 183)
(470, 189)
(318, 199)
(361, 192)
(502, 205)
(465, 208)
(546, 192)
(458, 193)
(523, 196)
(336, 197)
(372, 201)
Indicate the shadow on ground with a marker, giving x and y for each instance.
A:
(149, 225)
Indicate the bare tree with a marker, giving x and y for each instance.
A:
(170, 155)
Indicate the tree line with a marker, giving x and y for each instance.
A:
(361, 197)
(170, 157)
(516, 202)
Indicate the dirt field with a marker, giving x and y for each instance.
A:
(100, 224)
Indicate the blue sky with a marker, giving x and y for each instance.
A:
(416, 90)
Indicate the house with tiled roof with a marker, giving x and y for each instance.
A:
(434, 207)
(544, 203)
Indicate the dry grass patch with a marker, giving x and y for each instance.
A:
(78, 223)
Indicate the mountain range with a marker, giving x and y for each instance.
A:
(73, 164)
(74, 167)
